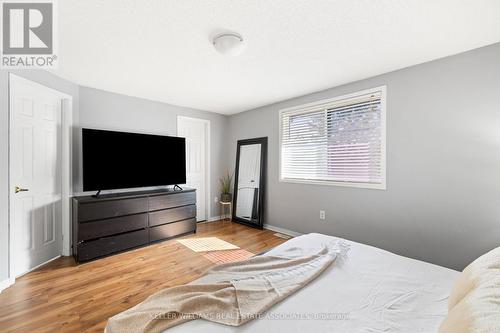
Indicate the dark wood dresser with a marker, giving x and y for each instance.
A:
(114, 223)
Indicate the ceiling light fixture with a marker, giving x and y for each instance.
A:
(229, 43)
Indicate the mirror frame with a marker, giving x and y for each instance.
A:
(262, 183)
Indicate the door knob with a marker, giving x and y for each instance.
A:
(17, 189)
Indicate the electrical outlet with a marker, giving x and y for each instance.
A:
(216, 200)
(322, 215)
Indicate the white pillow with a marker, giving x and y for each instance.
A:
(474, 303)
(481, 270)
(477, 312)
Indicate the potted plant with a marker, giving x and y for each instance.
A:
(225, 187)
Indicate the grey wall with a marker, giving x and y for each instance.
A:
(48, 80)
(105, 110)
(442, 202)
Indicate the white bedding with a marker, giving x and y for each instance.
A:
(372, 291)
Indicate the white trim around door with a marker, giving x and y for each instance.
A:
(65, 164)
(207, 161)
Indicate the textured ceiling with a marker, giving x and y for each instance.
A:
(161, 50)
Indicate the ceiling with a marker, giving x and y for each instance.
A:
(161, 49)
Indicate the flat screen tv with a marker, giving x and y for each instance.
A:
(117, 160)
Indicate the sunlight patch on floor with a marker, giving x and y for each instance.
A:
(205, 244)
(221, 257)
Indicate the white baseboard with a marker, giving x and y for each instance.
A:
(266, 226)
(6, 283)
(282, 230)
(211, 219)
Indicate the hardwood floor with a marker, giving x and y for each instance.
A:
(64, 297)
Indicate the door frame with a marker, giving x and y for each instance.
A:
(66, 165)
(208, 194)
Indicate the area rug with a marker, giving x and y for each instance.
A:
(205, 244)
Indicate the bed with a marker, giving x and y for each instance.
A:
(371, 291)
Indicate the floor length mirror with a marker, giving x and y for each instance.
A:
(249, 182)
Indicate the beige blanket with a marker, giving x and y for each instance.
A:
(230, 294)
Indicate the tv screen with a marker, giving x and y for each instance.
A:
(116, 160)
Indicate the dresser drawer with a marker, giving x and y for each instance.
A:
(107, 245)
(117, 225)
(172, 200)
(171, 230)
(111, 208)
(172, 215)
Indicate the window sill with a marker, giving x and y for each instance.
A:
(381, 186)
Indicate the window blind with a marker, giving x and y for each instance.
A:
(337, 141)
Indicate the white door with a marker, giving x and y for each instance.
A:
(35, 170)
(196, 132)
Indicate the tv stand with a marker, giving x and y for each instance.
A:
(117, 222)
(97, 194)
(177, 186)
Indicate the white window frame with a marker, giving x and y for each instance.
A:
(383, 133)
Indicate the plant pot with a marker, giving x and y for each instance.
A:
(226, 197)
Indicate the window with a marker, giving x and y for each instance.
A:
(339, 141)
